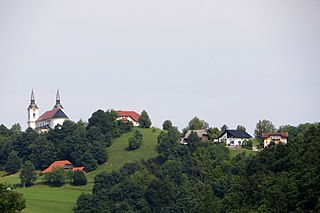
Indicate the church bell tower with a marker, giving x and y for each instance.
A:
(33, 112)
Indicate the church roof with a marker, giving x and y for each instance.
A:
(55, 113)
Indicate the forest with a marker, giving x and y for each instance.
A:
(202, 177)
(194, 177)
(83, 144)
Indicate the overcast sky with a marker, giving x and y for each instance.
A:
(228, 62)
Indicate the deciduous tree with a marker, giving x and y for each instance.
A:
(13, 163)
(242, 128)
(263, 126)
(196, 124)
(167, 125)
(27, 174)
(79, 178)
(10, 200)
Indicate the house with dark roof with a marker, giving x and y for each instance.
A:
(233, 137)
(127, 116)
(201, 133)
(48, 120)
(274, 138)
(65, 164)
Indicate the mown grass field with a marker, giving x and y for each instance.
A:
(45, 199)
(234, 151)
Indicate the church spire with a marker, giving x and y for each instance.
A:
(32, 101)
(58, 104)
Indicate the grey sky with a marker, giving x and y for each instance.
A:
(231, 62)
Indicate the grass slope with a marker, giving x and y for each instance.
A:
(118, 155)
(41, 198)
(45, 199)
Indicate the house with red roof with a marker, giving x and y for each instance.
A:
(65, 164)
(48, 120)
(127, 116)
(274, 138)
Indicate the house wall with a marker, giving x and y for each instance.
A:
(232, 141)
(54, 122)
(130, 119)
(204, 138)
(276, 140)
(235, 141)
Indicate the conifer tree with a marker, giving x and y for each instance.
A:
(144, 120)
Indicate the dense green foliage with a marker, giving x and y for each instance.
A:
(263, 126)
(201, 177)
(84, 204)
(10, 200)
(56, 177)
(13, 163)
(27, 174)
(80, 143)
(135, 141)
(167, 125)
(242, 128)
(79, 178)
(144, 120)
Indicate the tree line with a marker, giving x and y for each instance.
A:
(202, 177)
(83, 144)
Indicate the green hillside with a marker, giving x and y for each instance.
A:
(118, 155)
(45, 199)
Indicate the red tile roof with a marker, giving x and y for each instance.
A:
(80, 168)
(54, 113)
(268, 134)
(57, 164)
(48, 114)
(135, 116)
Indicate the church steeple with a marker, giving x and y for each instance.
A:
(32, 101)
(33, 111)
(58, 104)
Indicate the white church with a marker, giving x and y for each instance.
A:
(48, 120)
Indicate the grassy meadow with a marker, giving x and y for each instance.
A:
(46, 199)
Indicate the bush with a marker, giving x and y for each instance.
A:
(247, 144)
(134, 143)
(79, 178)
(56, 177)
(84, 204)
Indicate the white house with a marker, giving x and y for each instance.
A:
(129, 116)
(234, 137)
(47, 120)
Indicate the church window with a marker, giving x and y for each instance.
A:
(34, 115)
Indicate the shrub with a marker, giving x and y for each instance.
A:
(79, 178)
(134, 143)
